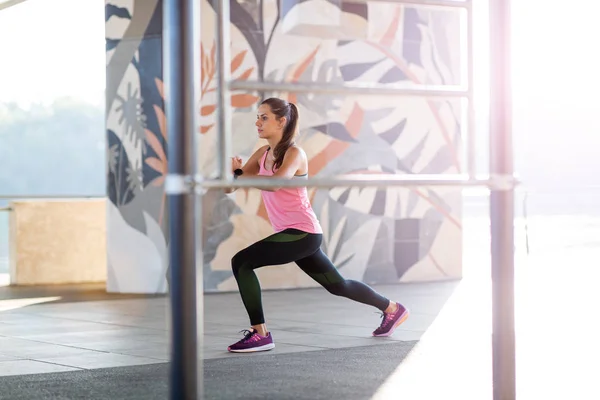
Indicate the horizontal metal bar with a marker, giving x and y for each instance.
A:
(47, 196)
(430, 3)
(5, 209)
(361, 180)
(369, 89)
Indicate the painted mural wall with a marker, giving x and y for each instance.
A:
(136, 141)
(375, 235)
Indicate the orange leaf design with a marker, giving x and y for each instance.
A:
(243, 100)
(212, 55)
(246, 74)
(207, 110)
(205, 67)
(162, 120)
(292, 98)
(206, 128)
(335, 148)
(156, 146)
(160, 87)
(304, 64)
(388, 37)
(156, 164)
(159, 182)
(237, 60)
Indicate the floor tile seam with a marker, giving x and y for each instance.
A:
(120, 364)
(51, 363)
(28, 314)
(108, 323)
(133, 355)
(71, 346)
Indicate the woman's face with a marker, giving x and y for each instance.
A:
(267, 123)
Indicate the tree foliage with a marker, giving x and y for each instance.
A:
(57, 149)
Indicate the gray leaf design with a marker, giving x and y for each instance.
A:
(328, 72)
(412, 157)
(134, 178)
(113, 158)
(411, 49)
(217, 227)
(440, 162)
(352, 71)
(336, 130)
(131, 113)
(393, 75)
(271, 76)
(393, 134)
(413, 199)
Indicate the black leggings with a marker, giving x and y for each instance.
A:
(304, 249)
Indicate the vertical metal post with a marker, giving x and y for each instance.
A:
(502, 203)
(471, 131)
(181, 44)
(224, 133)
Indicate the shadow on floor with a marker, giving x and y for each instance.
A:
(350, 373)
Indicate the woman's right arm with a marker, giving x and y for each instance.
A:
(251, 168)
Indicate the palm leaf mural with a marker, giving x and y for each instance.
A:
(356, 137)
(389, 65)
(111, 10)
(333, 239)
(247, 16)
(208, 64)
(158, 162)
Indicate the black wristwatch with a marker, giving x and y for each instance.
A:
(237, 173)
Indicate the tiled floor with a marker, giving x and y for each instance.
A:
(50, 337)
(557, 345)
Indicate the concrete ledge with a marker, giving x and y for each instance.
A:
(57, 241)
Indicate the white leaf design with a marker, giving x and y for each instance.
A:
(157, 237)
(136, 263)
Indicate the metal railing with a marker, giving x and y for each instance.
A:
(181, 38)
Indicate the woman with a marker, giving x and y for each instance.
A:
(298, 232)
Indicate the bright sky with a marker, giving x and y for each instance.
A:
(51, 48)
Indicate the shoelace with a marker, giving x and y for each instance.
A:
(247, 334)
(385, 318)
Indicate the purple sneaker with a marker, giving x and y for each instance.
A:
(391, 321)
(252, 342)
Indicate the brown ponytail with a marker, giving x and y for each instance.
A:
(281, 109)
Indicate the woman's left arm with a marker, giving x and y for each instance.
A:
(292, 161)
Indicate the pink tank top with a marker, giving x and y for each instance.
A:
(289, 207)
